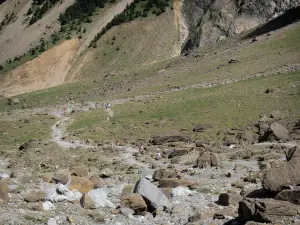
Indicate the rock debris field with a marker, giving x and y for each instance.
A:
(252, 177)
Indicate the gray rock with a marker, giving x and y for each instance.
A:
(228, 18)
(150, 192)
(292, 196)
(203, 160)
(164, 174)
(201, 127)
(214, 159)
(276, 132)
(126, 211)
(32, 143)
(276, 115)
(266, 210)
(227, 199)
(277, 179)
(52, 221)
(293, 152)
(230, 140)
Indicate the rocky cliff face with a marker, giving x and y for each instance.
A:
(212, 20)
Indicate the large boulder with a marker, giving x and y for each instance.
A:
(275, 132)
(207, 159)
(164, 174)
(279, 178)
(266, 210)
(203, 160)
(292, 196)
(246, 136)
(135, 202)
(159, 140)
(226, 199)
(154, 196)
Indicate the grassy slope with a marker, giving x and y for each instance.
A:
(234, 105)
(140, 43)
(230, 106)
(16, 132)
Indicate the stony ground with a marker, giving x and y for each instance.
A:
(64, 180)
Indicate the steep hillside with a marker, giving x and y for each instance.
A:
(131, 47)
(121, 42)
(17, 37)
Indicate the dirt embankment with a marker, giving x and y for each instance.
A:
(48, 70)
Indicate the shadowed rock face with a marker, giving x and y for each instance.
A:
(210, 21)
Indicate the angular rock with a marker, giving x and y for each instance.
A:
(97, 216)
(292, 196)
(81, 184)
(149, 191)
(32, 143)
(201, 127)
(227, 199)
(276, 115)
(297, 125)
(195, 217)
(230, 140)
(86, 202)
(61, 178)
(99, 198)
(159, 140)
(80, 172)
(35, 196)
(247, 136)
(48, 206)
(164, 174)
(105, 173)
(173, 183)
(277, 179)
(134, 202)
(293, 152)
(51, 221)
(280, 132)
(266, 210)
(98, 182)
(178, 152)
(126, 211)
(214, 159)
(276, 132)
(203, 160)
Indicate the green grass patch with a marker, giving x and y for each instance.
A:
(235, 105)
(16, 132)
